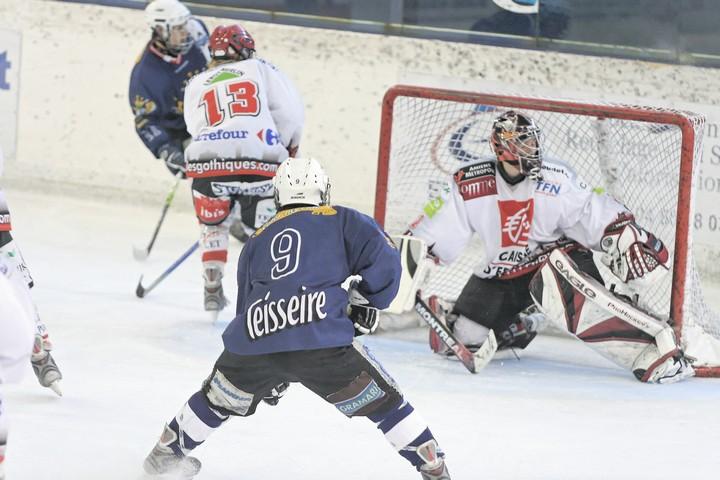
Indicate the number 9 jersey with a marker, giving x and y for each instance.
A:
(290, 274)
(245, 109)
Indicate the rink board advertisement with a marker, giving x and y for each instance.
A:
(638, 167)
(9, 90)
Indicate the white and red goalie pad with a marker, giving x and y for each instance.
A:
(575, 302)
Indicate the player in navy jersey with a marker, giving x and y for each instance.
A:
(295, 323)
(175, 53)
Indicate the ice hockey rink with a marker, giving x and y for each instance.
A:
(560, 412)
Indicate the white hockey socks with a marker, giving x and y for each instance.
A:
(409, 435)
(194, 423)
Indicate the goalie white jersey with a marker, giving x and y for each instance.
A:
(513, 221)
(245, 109)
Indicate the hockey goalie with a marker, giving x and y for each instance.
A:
(539, 224)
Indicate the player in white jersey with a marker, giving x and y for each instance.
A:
(245, 117)
(523, 206)
(42, 361)
(23, 336)
(16, 337)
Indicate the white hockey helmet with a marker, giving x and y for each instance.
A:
(168, 21)
(301, 181)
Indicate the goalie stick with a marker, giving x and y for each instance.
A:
(141, 291)
(143, 253)
(474, 362)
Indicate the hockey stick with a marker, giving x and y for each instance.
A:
(141, 291)
(142, 254)
(474, 362)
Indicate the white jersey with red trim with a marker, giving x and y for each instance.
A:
(16, 323)
(242, 110)
(513, 221)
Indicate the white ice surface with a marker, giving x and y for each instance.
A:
(561, 412)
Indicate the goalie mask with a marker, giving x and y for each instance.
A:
(301, 181)
(168, 21)
(232, 43)
(516, 139)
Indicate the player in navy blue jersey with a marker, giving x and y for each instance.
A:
(177, 50)
(295, 323)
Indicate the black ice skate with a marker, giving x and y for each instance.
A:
(45, 368)
(165, 462)
(523, 330)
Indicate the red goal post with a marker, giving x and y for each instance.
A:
(645, 156)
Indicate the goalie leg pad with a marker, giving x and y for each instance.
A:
(629, 337)
(651, 367)
(469, 332)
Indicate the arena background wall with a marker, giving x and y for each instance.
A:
(75, 131)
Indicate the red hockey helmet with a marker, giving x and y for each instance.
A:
(231, 42)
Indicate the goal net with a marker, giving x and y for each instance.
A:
(645, 157)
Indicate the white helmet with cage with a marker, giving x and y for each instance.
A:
(301, 181)
(168, 21)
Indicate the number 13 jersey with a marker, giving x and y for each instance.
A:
(246, 109)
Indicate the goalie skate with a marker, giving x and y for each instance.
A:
(522, 331)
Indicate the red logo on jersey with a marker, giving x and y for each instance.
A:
(210, 211)
(477, 187)
(516, 220)
(476, 181)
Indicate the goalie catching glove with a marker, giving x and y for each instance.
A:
(365, 318)
(633, 254)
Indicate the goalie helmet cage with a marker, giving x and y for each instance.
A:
(644, 156)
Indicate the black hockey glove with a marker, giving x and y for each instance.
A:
(365, 318)
(173, 157)
(276, 393)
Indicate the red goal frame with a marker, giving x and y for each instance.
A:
(621, 112)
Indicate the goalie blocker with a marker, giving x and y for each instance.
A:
(575, 302)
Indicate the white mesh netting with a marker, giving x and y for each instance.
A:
(634, 153)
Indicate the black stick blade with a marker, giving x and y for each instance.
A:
(140, 290)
